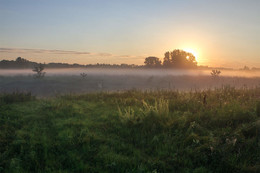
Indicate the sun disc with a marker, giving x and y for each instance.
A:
(192, 51)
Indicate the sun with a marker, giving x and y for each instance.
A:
(193, 51)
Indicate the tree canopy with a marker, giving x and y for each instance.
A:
(21, 60)
(152, 61)
(179, 59)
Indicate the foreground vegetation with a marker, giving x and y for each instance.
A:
(162, 131)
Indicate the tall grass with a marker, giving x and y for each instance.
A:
(160, 108)
(133, 131)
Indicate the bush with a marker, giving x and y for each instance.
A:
(215, 73)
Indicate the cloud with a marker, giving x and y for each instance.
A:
(67, 56)
(65, 52)
(15, 50)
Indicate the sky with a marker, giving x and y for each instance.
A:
(222, 33)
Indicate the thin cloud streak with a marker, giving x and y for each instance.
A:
(64, 52)
(15, 50)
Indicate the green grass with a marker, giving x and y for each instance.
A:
(162, 131)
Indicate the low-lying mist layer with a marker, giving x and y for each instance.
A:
(63, 84)
(132, 72)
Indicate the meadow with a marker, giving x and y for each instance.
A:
(130, 86)
(211, 130)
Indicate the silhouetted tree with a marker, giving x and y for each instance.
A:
(39, 71)
(179, 59)
(21, 60)
(152, 61)
(246, 68)
(167, 60)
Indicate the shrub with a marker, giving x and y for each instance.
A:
(215, 73)
(83, 75)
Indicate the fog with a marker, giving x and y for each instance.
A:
(133, 72)
(69, 81)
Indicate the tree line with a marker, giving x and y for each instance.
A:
(175, 59)
(21, 63)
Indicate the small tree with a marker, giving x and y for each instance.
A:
(246, 68)
(215, 73)
(39, 71)
(83, 75)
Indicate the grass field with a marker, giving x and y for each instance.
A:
(132, 131)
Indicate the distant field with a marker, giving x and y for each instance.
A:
(58, 82)
(132, 131)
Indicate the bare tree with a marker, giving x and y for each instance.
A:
(39, 71)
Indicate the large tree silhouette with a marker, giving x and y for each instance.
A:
(179, 59)
(21, 60)
(152, 61)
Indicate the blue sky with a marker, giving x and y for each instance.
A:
(220, 33)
